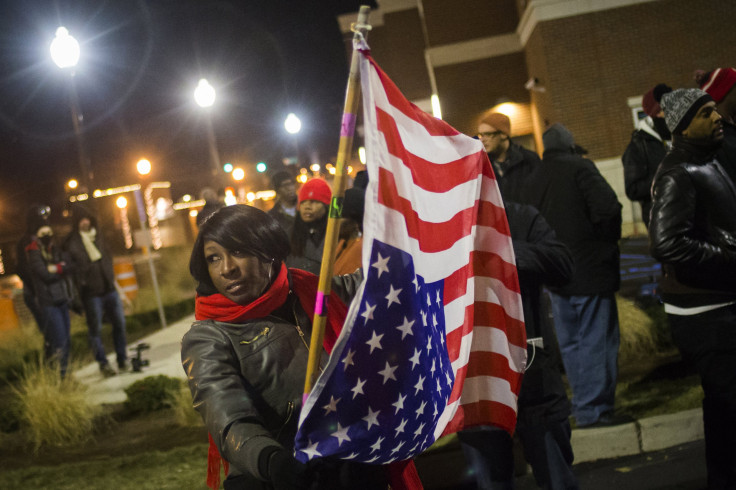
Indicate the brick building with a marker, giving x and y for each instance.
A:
(585, 63)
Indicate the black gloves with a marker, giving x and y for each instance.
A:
(285, 472)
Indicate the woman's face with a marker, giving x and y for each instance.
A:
(239, 277)
(312, 210)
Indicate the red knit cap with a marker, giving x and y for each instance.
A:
(499, 121)
(316, 190)
(719, 83)
(651, 107)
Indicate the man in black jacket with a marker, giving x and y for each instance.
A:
(692, 232)
(98, 289)
(513, 164)
(584, 211)
(649, 144)
(542, 424)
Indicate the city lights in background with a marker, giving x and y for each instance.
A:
(228, 167)
(186, 198)
(251, 196)
(72, 184)
(122, 204)
(238, 174)
(331, 169)
(261, 166)
(204, 93)
(361, 155)
(315, 167)
(230, 197)
(292, 124)
(508, 108)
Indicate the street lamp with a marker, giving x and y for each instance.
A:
(143, 166)
(65, 53)
(292, 124)
(204, 96)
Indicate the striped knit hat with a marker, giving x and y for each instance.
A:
(680, 106)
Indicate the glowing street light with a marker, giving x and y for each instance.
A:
(64, 49)
(292, 124)
(72, 184)
(204, 94)
(143, 166)
(238, 173)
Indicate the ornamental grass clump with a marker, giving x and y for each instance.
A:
(152, 393)
(639, 332)
(51, 410)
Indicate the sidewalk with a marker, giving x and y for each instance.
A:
(164, 357)
(641, 436)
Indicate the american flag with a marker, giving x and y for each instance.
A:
(434, 341)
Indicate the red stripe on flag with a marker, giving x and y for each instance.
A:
(434, 126)
(494, 315)
(429, 175)
(483, 363)
(485, 264)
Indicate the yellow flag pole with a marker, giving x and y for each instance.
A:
(352, 96)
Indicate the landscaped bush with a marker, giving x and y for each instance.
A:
(184, 412)
(152, 393)
(52, 410)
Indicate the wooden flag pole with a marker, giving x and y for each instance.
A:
(352, 96)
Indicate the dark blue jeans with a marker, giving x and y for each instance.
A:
(110, 305)
(57, 336)
(588, 334)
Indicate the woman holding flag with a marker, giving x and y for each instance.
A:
(246, 355)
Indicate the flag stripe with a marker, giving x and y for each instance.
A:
(426, 174)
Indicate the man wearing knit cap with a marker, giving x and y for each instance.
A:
(719, 84)
(693, 234)
(649, 143)
(513, 164)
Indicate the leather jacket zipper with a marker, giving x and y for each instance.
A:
(289, 413)
(298, 329)
(262, 334)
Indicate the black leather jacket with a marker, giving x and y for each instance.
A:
(247, 379)
(693, 227)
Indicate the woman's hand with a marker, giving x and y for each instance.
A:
(286, 473)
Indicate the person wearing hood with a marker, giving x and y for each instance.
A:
(37, 216)
(98, 289)
(583, 210)
(649, 143)
(50, 273)
(512, 164)
(693, 234)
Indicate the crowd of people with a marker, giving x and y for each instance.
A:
(245, 355)
(73, 274)
(565, 223)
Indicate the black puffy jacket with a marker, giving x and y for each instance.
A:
(693, 227)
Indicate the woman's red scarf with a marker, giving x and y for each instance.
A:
(402, 474)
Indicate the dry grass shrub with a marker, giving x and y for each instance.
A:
(53, 411)
(184, 412)
(639, 332)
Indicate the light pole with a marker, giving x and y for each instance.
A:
(204, 96)
(65, 53)
(146, 213)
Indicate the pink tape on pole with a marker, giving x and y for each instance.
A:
(304, 398)
(348, 125)
(320, 308)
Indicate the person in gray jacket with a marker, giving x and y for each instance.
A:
(246, 354)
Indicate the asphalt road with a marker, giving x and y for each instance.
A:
(677, 468)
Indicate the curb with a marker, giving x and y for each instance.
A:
(641, 436)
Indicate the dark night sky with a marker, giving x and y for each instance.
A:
(140, 63)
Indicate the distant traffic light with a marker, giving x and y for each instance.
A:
(261, 166)
(228, 167)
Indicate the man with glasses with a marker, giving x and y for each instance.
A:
(513, 164)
